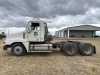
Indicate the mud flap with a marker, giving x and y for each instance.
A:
(94, 48)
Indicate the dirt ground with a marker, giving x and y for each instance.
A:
(55, 63)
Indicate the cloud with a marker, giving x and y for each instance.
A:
(92, 16)
(15, 21)
(57, 13)
(47, 8)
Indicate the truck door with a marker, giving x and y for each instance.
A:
(34, 34)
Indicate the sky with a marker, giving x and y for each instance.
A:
(58, 14)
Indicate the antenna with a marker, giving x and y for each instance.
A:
(8, 31)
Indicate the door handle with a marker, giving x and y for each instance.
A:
(35, 33)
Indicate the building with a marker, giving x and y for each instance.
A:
(87, 31)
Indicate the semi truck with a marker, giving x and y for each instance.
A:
(36, 38)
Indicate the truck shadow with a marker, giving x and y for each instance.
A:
(40, 54)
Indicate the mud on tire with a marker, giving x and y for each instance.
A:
(70, 49)
(86, 49)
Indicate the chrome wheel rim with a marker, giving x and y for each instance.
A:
(87, 50)
(18, 50)
(71, 50)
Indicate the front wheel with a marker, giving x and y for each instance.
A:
(18, 49)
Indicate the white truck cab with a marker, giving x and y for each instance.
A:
(35, 31)
(33, 39)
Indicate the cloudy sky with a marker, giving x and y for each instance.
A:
(57, 13)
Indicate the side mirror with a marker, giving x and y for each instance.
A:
(29, 27)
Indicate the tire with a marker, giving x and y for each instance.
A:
(70, 49)
(75, 42)
(18, 49)
(86, 49)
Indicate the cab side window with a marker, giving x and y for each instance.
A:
(35, 26)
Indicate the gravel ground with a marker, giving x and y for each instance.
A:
(55, 63)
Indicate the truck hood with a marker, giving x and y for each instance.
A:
(17, 35)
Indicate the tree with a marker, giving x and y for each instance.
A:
(2, 35)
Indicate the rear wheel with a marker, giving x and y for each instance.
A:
(86, 49)
(18, 49)
(70, 49)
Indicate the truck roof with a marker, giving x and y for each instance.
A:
(37, 20)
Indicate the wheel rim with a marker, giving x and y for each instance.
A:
(71, 50)
(87, 50)
(18, 50)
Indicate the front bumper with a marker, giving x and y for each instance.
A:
(5, 47)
